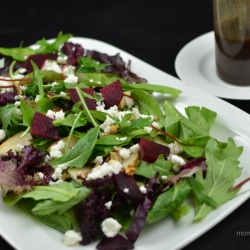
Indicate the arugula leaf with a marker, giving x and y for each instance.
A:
(79, 155)
(152, 88)
(148, 170)
(38, 79)
(147, 104)
(168, 201)
(223, 169)
(87, 64)
(21, 54)
(70, 120)
(27, 112)
(49, 47)
(6, 113)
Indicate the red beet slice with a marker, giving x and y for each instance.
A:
(42, 125)
(127, 187)
(91, 104)
(150, 150)
(38, 59)
(112, 94)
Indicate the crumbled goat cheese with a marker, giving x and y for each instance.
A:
(72, 238)
(19, 147)
(100, 106)
(17, 103)
(57, 115)
(175, 148)
(52, 65)
(164, 177)
(148, 129)
(37, 98)
(176, 159)
(110, 227)
(63, 93)
(106, 169)
(22, 70)
(62, 58)
(98, 159)
(57, 175)
(53, 84)
(156, 124)
(143, 189)
(69, 70)
(41, 175)
(106, 125)
(23, 87)
(137, 114)
(126, 190)
(56, 150)
(108, 205)
(2, 134)
(124, 153)
(71, 79)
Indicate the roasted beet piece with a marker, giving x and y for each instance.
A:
(89, 213)
(112, 94)
(91, 104)
(114, 243)
(127, 187)
(42, 125)
(150, 150)
(38, 59)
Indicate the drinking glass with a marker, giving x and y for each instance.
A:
(232, 40)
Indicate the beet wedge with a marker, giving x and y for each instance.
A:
(112, 94)
(127, 187)
(42, 125)
(150, 150)
(38, 59)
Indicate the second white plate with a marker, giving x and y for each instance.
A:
(195, 65)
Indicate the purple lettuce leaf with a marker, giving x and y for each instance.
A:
(7, 97)
(17, 171)
(73, 51)
(139, 220)
(117, 66)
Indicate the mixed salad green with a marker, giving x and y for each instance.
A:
(87, 149)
